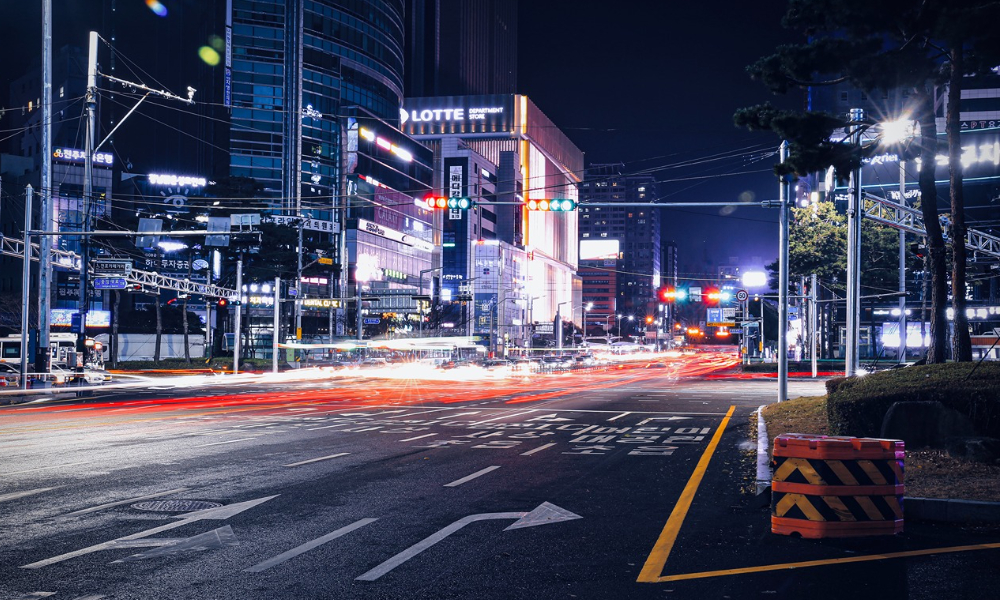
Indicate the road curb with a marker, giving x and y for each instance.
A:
(951, 511)
(915, 509)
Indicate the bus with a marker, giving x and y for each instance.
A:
(60, 344)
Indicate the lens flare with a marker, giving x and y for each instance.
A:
(209, 55)
(157, 8)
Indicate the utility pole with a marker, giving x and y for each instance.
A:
(357, 293)
(813, 321)
(45, 242)
(90, 103)
(854, 214)
(902, 268)
(783, 281)
(298, 282)
(275, 336)
(237, 321)
(25, 286)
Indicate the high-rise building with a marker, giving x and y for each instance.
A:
(527, 157)
(461, 47)
(315, 89)
(629, 233)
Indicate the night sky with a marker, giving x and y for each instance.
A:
(651, 84)
(655, 85)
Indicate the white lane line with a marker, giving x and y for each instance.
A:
(616, 417)
(423, 412)
(418, 437)
(129, 501)
(468, 478)
(329, 426)
(16, 495)
(226, 442)
(506, 416)
(538, 449)
(284, 556)
(49, 467)
(312, 460)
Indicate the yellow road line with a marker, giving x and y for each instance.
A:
(657, 558)
(831, 561)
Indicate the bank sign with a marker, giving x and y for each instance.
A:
(443, 115)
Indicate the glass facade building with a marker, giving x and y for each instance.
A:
(291, 67)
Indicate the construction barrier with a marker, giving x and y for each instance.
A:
(836, 486)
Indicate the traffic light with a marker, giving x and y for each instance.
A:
(716, 296)
(134, 288)
(669, 294)
(441, 203)
(917, 249)
(551, 204)
(223, 302)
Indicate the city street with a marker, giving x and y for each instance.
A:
(635, 481)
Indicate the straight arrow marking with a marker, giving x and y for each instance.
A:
(545, 513)
(218, 513)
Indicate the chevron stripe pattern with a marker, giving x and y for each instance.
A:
(838, 509)
(837, 472)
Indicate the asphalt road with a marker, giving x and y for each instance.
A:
(549, 486)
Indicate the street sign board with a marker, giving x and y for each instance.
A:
(110, 283)
(112, 266)
(324, 261)
(716, 318)
(372, 321)
(742, 295)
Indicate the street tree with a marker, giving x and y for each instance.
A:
(880, 46)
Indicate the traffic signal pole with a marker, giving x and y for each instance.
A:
(238, 320)
(783, 281)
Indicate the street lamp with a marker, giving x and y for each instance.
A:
(585, 308)
(558, 325)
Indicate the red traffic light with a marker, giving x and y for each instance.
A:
(223, 302)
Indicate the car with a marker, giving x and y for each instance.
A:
(9, 374)
(373, 362)
(63, 374)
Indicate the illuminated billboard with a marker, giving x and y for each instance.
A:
(602, 249)
(457, 114)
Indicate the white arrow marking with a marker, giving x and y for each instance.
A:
(217, 513)
(545, 513)
(277, 560)
(223, 537)
(551, 417)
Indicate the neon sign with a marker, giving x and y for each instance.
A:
(177, 180)
(79, 156)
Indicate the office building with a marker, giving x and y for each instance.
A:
(630, 233)
(529, 158)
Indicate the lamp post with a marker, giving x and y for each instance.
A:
(620, 317)
(585, 308)
(558, 326)
(894, 133)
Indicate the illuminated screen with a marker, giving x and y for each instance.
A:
(598, 249)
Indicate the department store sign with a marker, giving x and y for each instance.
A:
(457, 114)
(396, 236)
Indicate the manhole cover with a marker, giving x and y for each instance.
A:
(175, 505)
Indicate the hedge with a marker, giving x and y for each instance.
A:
(858, 405)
